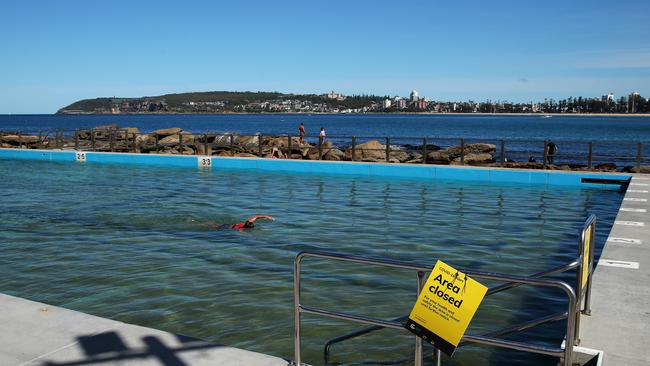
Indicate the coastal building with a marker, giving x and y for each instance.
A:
(420, 105)
(386, 104)
(609, 98)
(334, 95)
(632, 102)
(414, 96)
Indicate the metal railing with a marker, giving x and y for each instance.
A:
(572, 314)
(584, 155)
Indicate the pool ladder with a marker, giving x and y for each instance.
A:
(578, 300)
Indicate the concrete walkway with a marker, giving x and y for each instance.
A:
(38, 334)
(620, 302)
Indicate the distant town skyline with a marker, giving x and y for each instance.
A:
(55, 53)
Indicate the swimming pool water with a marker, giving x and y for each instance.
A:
(137, 244)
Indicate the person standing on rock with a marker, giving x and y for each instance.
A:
(551, 149)
(322, 135)
(301, 132)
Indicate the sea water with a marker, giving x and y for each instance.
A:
(138, 244)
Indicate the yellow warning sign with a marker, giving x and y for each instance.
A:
(445, 307)
(586, 247)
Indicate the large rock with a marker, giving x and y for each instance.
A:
(371, 150)
(438, 157)
(224, 139)
(164, 132)
(17, 139)
(145, 139)
(105, 131)
(175, 139)
(128, 133)
(249, 142)
(471, 158)
(335, 155)
(107, 127)
(430, 147)
(478, 148)
(399, 156)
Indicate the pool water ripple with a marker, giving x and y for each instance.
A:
(137, 244)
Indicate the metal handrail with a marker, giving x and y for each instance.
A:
(487, 339)
(491, 291)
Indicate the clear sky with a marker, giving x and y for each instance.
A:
(55, 52)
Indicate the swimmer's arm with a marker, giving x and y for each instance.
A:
(252, 219)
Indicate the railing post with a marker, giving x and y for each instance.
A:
(259, 145)
(289, 149)
(424, 150)
(545, 153)
(388, 149)
(40, 138)
(205, 144)
(180, 144)
(418, 340)
(590, 158)
(354, 147)
(570, 328)
(92, 138)
(462, 151)
(296, 312)
(503, 151)
(639, 156)
(111, 139)
(232, 142)
(320, 148)
(157, 144)
(76, 139)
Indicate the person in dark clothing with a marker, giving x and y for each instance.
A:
(551, 150)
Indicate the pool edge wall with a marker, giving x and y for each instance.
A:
(433, 172)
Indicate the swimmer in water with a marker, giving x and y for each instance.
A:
(248, 224)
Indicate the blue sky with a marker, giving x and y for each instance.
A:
(55, 52)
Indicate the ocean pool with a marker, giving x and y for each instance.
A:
(136, 244)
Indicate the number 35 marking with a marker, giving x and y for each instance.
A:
(80, 156)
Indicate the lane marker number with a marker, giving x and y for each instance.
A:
(620, 264)
(629, 223)
(80, 156)
(625, 241)
(628, 209)
(632, 199)
(204, 161)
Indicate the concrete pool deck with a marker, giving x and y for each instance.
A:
(38, 334)
(619, 324)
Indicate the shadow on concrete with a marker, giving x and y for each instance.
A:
(109, 347)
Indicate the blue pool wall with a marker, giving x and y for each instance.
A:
(429, 172)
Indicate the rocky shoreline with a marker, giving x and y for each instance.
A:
(176, 141)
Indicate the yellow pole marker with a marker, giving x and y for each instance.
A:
(445, 307)
(586, 248)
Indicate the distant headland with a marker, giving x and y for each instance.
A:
(216, 102)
